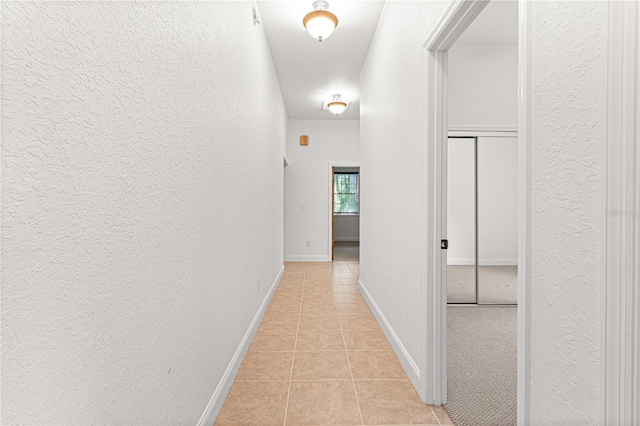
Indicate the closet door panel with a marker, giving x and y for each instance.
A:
(461, 254)
(497, 220)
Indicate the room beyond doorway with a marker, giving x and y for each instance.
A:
(346, 250)
(344, 232)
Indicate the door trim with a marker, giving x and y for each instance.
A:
(333, 165)
(433, 328)
(620, 374)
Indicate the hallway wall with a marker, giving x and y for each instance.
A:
(142, 184)
(392, 164)
(568, 140)
(307, 182)
(568, 150)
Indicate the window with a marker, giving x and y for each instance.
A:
(345, 193)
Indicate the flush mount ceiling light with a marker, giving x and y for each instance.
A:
(320, 23)
(336, 106)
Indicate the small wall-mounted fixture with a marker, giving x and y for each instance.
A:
(320, 23)
(304, 140)
(336, 106)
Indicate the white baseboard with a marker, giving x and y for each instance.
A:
(346, 239)
(219, 395)
(483, 262)
(307, 258)
(410, 367)
(498, 262)
(460, 262)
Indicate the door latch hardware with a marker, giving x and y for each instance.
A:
(444, 244)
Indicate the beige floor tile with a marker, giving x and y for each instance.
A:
(351, 297)
(284, 298)
(338, 289)
(352, 308)
(283, 309)
(254, 403)
(323, 403)
(279, 321)
(319, 322)
(359, 322)
(325, 365)
(442, 415)
(319, 308)
(320, 340)
(376, 365)
(273, 340)
(392, 402)
(366, 340)
(266, 366)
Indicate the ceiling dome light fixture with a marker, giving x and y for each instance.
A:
(320, 23)
(336, 106)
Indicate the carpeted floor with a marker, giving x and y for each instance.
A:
(496, 284)
(482, 365)
(346, 250)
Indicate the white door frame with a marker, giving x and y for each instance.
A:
(620, 387)
(331, 166)
(454, 22)
(433, 360)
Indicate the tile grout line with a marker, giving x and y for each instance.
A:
(293, 358)
(353, 382)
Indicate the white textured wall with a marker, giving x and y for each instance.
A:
(346, 227)
(483, 85)
(307, 182)
(142, 150)
(392, 162)
(569, 68)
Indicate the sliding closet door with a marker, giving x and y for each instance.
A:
(497, 220)
(461, 221)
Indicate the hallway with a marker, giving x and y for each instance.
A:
(319, 357)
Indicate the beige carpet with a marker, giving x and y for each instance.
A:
(482, 365)
(496, 284)
(346, 250)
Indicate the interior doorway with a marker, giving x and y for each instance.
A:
(480, 219)
(345, 213)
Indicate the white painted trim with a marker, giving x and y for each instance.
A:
(433, 382)
(306, 258)
(525, 111)
(330, 210)
(351, 239)
(217, 400)
(474, 131)
(483, 128)
(433, 306)
(455, 20)
(461, 261)
(621, 330)
(409, 365)
(483, 262)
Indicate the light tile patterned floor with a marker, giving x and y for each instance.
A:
(320, 358)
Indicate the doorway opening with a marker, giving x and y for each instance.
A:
(345, 213)
(480, 218)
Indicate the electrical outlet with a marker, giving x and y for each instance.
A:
(258, 285)
(308, 243)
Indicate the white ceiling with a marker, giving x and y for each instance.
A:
(310, 72)
(497, 23)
